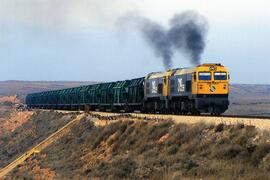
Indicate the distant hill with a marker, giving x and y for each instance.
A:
(21, 88)
(249, 99)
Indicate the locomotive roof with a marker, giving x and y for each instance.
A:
(155, 75)
(177, 71)
(184, 71)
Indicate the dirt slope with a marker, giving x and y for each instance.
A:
(13, 121)
(21, 88)
(19, 138)
(152, 150)
(11, 99)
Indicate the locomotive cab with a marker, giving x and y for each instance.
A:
(211, 88)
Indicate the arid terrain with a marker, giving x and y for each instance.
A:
(21, 88)
(128, 149)
(249, 100)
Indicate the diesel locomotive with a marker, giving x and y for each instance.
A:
(200, 89)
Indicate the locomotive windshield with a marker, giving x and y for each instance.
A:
(220, 76)
(204, 76)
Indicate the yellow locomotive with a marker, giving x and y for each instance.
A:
(201, 89)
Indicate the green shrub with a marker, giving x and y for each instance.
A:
(228, 151)
(219, 127)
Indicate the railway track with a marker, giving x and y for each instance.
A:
(158, 114)
(184, 115)
(259, 122)
(235, 116)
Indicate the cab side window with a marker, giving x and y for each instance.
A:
(188, 86)
(147, 87)
(160, 88)
(194, 76)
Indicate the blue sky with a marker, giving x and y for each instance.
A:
(79, 40)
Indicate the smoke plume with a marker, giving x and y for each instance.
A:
(186, 34)
(157, 38)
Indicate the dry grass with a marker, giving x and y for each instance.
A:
(157, 150)
(9, 99)
(14, 120)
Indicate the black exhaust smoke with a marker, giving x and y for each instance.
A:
(186, 34)
(157, 38)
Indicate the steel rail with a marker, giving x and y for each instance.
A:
(184, 115)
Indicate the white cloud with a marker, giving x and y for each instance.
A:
(60, 14)
(73, 15)
(215, 10)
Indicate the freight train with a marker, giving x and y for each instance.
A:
(200, 89)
